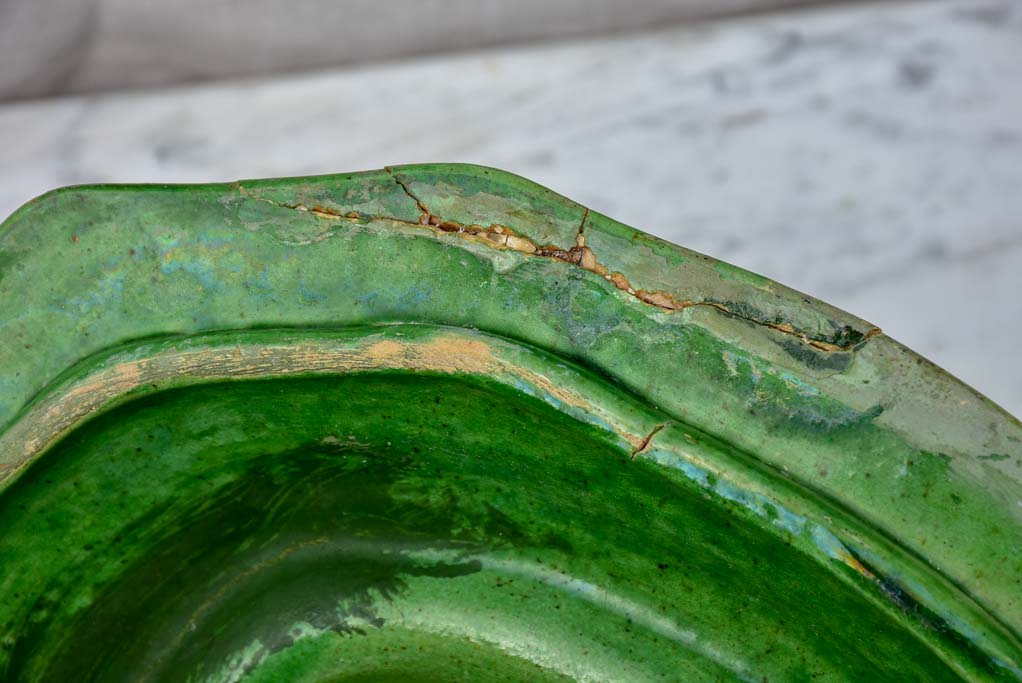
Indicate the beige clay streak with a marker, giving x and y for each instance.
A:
(55, 416)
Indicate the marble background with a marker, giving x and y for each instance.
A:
(51, 47)
(870, 154)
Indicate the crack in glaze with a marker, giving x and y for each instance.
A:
(648, 441)
(579, 255)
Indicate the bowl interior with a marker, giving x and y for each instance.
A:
(389, 525)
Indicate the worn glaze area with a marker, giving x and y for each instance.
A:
(438, 423)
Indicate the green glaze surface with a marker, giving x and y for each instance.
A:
(439, 423)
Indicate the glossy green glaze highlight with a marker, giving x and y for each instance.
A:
(438, 423)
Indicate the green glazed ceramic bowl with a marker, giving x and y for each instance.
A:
(437, 423)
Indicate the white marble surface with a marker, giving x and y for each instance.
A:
(870, 154)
